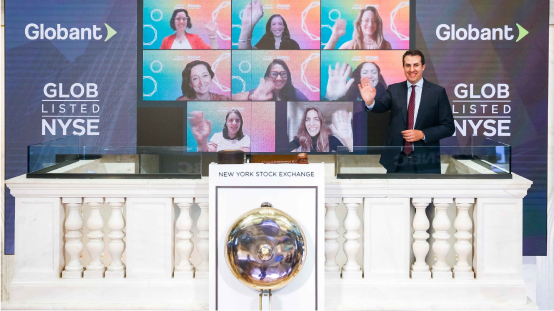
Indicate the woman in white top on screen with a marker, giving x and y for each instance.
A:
(231, 138)
(368, 32)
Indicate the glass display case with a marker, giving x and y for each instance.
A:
(481, 158)
(67, 158)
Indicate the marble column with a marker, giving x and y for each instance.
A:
(95, 246)
(183, 243)
(441, 246)
(420, 268)
(73, 244)
(332, 246)
(116, 246)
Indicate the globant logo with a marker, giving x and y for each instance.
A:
(451, 32)
(34, 32)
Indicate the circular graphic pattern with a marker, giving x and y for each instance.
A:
(249, 66)
(155, 86)
(156, 11)
(242, 81)
(325, 26)
(304, 16)
(152, 66)
(393, 26)
(334, 10)
(155, 35)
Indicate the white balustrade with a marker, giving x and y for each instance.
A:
(183, 242)
(441, 247)
(351, 247)
(116, 246)
(151, 241)
(420, 268)
(463, 225)
(95, 246)
(73, 244)
(332, 224)
(204, 235)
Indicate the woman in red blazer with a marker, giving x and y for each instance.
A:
(181, 40)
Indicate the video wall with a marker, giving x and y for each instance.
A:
(281, 75)
(271, 64)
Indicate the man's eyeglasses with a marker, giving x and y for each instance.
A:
(275, 74)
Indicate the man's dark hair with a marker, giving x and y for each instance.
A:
(414, 53)
(172, 21)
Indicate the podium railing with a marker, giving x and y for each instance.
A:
(435, 242)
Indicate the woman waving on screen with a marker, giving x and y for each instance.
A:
(315, 136)
(277, 35)
(368, 32)
(182, 40)
(231, 138)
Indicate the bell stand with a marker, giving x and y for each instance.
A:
(266, 300)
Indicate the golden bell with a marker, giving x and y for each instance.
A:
(265, 248)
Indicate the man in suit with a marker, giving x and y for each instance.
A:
(420, 116)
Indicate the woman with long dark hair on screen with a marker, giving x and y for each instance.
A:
(197, 81)
(367, 35)
(315, 136)
(182, 40)
(276, 85)
(277, 35)
(232, 136)
(340, 88)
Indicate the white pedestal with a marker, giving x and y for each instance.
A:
(93, 274)
(295, 189)
(114, 274)
(72, 274)
(183, 274)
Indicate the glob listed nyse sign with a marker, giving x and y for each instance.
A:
(59, 116)
(486, 107)
(492, 59)
(75, 109)
(71, 70)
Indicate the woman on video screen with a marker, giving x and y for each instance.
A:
(314, 135)
(231, 138)
(197, 81)
(182, 40)
(276, 85)
(338, 88)
(368, 32)
(277, 35)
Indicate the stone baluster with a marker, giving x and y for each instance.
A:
(73, 244)
(420, 268)
(116, 246)
(95, 246)
(332, 270)
(183, 242)
(441, 224)
(204, 235)
(463, 225)
(351, 247)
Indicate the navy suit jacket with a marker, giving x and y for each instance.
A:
(434, 119)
